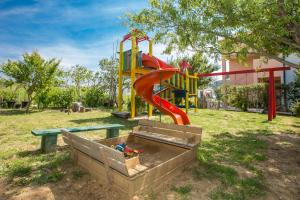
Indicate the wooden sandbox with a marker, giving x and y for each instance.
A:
(167, 149)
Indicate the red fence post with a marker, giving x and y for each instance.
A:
(271, 96)
(271, 91)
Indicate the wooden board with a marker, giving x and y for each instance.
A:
(187, 136)
(113, 158)
(151, 180)
(191, 129)
(164, 138)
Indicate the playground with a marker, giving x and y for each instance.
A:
(160, 158)
(172, 153)
(256, 161)
(215, 115)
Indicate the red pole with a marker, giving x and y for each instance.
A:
(245, 71)
(274, 97)
(270, 96)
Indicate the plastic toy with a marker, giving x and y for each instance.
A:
(128, 152)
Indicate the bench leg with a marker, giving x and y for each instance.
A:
(112, 132)
(49, 143)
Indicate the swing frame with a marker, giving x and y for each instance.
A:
(271, 90)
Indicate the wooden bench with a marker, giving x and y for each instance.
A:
(49, 136)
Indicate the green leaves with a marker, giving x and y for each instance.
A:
(108, 77)
(80, 76)
(33, 73)
(270, 28)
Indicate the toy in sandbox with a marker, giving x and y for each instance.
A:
(128, 152)
(146, 71)
(140, 162)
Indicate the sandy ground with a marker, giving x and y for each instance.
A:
(281, 171)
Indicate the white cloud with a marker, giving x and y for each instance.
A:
(69, 54)
(19, 11)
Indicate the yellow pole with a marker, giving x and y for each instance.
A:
(187, 87)
(191, 88)
(181, 85)
(150, 47)
(178, 81)
(120, 93)
(182, 82)
(132, 74)
(173, 97)
(196, 93)
(173, 80)
(150, 111)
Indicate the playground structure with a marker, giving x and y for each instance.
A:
(173, 82)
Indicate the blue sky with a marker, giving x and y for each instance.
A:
(75, 31)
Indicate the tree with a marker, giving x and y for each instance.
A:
(109, 78)
(80, 76)
(297, 74)
(270, 28)
(34, 73)
(293, 88)
(201, 65)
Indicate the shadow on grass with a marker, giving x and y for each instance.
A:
(23, 154)
(38, 152)
(35, 167)
(232, 159)
(9, 112)
(108, 120)
(296, 126)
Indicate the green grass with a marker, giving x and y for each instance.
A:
(182, 190)
(22, 163)
(77, 174)
(220, 156)
(34, 167)
(231, 143)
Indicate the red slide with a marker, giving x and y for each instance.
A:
(144, 88)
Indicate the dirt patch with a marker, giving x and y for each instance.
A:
(69, 188)
(86, 187)
(282, 168)
(200, 188)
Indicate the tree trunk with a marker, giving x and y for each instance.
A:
(29, 103)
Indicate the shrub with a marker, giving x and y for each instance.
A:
(55, 97)
(43, 99)
(139, 105)
(9, 94)
(66, 98)
(94, 97)
(293, 91)
(244, 96)
(295, 108)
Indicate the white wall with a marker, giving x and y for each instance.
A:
(289, 75)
